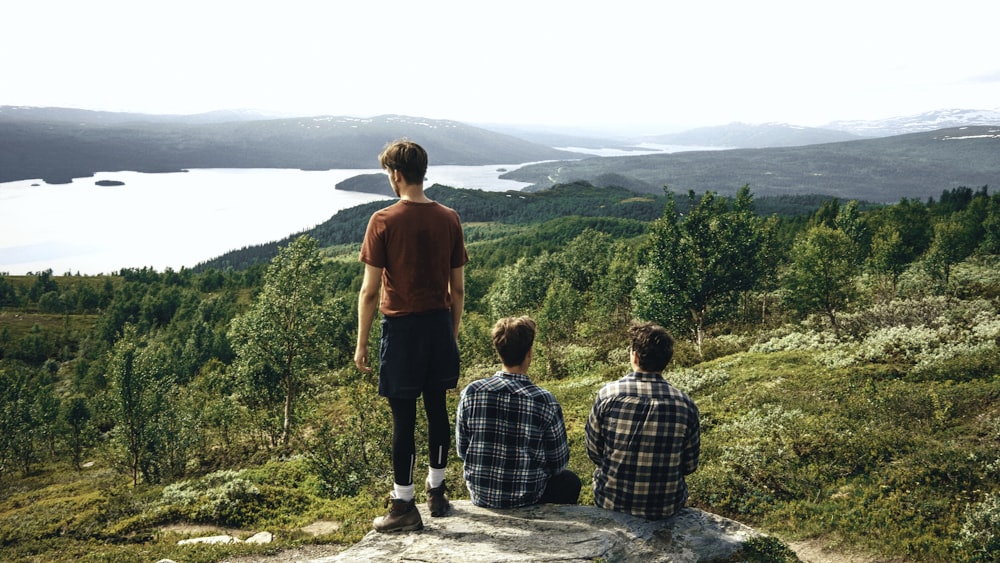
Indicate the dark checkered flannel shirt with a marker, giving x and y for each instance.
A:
(644, 436)
(511, 435)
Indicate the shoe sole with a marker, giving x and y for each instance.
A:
(410, 528)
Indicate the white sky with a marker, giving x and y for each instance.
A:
(657, 65)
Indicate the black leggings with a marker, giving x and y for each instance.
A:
(404, 423)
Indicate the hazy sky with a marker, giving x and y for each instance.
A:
(660, 64)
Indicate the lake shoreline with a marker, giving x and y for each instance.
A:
(180, 219)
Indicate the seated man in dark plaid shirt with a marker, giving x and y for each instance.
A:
(643, 433)
(510, 432)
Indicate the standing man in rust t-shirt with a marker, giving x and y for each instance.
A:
(414, 255)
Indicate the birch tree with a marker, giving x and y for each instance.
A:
(293, 332)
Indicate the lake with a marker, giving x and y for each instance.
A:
(178, 220)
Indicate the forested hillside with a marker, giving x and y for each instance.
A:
(581, 200)
(845, 362)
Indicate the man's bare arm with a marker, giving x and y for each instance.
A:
(367, 306)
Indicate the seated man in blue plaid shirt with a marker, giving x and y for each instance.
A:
(643, 433)
(510, 432)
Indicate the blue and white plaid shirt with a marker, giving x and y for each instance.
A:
(511, 435)
(644, 435)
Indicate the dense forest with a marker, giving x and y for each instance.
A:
(844, 357)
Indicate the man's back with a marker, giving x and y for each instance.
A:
(644, 436)
(417, 244)
(511, 435)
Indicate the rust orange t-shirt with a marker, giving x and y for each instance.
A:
(416, 245)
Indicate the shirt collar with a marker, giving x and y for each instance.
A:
(520, 376)
(645, 375)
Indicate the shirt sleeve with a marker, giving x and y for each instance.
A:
(461, 432)
(692, 442)
(557, 446)
(373, 245)
(595, 441)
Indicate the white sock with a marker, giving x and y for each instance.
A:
(435, 476)
(403, 492)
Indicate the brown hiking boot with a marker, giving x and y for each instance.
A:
(403, 516)
(437, 502)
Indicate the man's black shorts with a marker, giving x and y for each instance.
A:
(418, 353)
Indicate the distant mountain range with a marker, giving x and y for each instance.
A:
(750, 136)
(881, 161)
(58, 145)
(745, 135)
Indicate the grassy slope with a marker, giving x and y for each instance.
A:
(862, 454)
(878, 443)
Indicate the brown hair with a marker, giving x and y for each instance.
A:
(407, 157)
(513, 338)
(653, 345)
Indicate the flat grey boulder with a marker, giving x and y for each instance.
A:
(551, 533)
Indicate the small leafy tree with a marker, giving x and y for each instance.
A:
(850, 222)
(521, 288)
(911, 220)
(990, 243)
(138, 387)
(953, 242)
(18, 443)
(557, 320)
(291, 333)
(611, 308)
(821, 275)
(888, 258)
(76, 416)
(696, 267)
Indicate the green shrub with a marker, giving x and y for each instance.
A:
(351, 451)
(764, 549)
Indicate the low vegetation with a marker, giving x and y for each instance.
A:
(845, 363)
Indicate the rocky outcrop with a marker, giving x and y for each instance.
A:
(551, 533)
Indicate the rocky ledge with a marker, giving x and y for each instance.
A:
(561, 533)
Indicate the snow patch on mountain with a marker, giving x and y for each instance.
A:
(927, 121)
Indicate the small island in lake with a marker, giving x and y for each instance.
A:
(109, 183)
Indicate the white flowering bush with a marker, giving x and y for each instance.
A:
(980, 533)
(836, 358)
(927, 331)
(692, 380)
(986, 326)
(224, 497)
(897, 343)
(808, 341)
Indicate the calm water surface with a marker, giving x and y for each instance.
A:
(179, 219)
